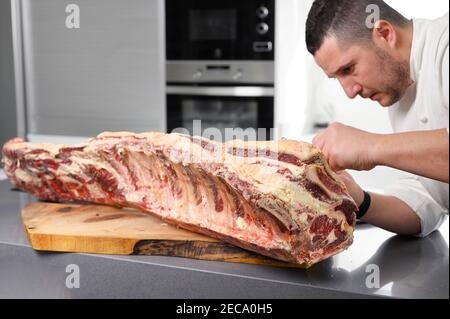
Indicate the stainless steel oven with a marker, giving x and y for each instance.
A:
(220, 29)
(237, 109)
(220, 65)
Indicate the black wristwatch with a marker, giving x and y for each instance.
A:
(364, 207)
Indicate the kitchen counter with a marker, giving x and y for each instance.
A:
(408, 268)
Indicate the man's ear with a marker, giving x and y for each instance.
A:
(384, 34)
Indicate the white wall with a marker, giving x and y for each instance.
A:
(430, 9)
(290, 76)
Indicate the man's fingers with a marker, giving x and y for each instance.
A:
(325, 153)
(330, 159)
(333, 165)
(318, 141)
(333, 159)
(315, 140)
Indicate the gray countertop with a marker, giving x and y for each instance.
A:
(407, 268)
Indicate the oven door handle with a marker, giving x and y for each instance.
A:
(224, 91)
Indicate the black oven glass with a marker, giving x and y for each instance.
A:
(219, 29)
(207, 25)
(220, 113)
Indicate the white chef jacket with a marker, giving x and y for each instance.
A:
(425, 107)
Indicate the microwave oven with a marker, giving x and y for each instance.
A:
(220, 30)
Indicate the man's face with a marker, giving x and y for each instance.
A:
(365, 70)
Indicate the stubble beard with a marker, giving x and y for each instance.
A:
(396, 76)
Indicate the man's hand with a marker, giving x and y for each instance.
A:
(423, 153)
(346, 147)
(355, 191)
(387, 212)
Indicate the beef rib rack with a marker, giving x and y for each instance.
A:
(276, 198)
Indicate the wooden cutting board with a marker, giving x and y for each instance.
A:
(110, 230)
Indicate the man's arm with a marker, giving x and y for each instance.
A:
(387, 212)
(424, 153)
(390, 213)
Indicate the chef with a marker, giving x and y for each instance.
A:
(376, 53)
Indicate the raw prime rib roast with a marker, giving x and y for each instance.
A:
(278, 198)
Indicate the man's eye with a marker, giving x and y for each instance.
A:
(348, 70)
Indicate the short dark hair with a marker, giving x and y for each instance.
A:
(345, 19)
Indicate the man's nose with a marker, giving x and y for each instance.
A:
(351, 88)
